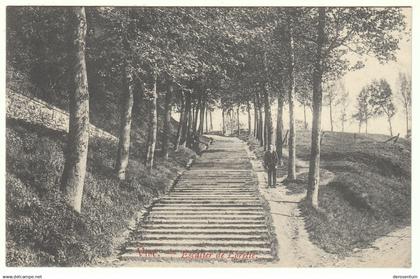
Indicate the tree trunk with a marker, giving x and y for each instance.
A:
(279, 134)
(127, 101)
(360, 126)
(268, 120)
(207, 123)
(167, 127)
(181, 124)
(331, 116)
(291, 170)
(267, 106)
(197, 110)
(193, 119)
(223, 122)
(248, 108)
(305, 123)
(229, 117)
(202, 111)
(187, 119)
(390, 126)
(211, 121)
(152, 128)
(407, 119)
(366, 127)
(73, 178)
(255, 118)
(237, 117)
(260, 124)
(265, 130)
(190, 123)
(313, 176)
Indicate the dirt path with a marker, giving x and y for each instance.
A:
(296, 249)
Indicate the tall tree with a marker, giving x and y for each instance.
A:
(167, 127)
(267, 108)
(127, 96)
(343, 102)
(381, 101)
(313, 178)
(74, 172)
(152, 131)
(364, 106)
(279, 128)
(291, 170)
(373, 31)
(404, 90)
(211, 120)
(237, 120)
(223, 122)
(182, 118)
(202, 111)
(126, 100)
(331, 96)
(248, 110)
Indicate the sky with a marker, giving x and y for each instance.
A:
(354, 81)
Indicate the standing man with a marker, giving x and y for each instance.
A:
(270, 164)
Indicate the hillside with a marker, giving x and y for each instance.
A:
(368, 196)
(42, 230)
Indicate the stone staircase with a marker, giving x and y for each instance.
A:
(214, 213)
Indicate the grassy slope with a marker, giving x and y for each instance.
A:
(41, 228)
(369, 196)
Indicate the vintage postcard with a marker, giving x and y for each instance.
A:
(263, 136)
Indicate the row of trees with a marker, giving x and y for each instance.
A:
(192, 60)
(300, 54)
(272, 51)
(377, 99)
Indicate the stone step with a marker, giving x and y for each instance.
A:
(214, 187)
(198, 181)
(210, 207)
(195, 198)
(215, 190)
(199, 243)
(195, 210)
(214, 215)
(212, 257)
(187, 231)
(209, 204)
(198, 211)
(203, 214)
(151, 225)
(204, 236)
(224, 186)
(188, 248)
(219, 192)
(206, 218)
(213, 195)
(200, 221)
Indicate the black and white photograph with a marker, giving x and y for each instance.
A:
(162, 136)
